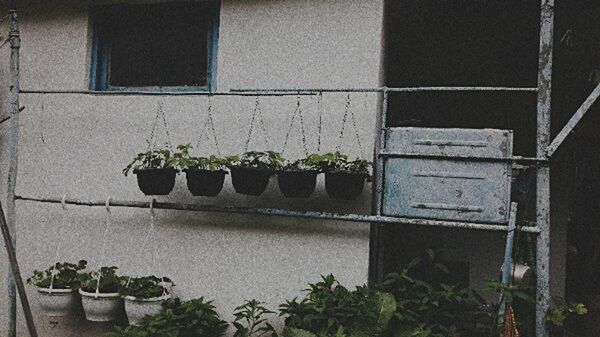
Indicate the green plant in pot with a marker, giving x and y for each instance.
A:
(331, 310)
(155, 171)
(194, 318)
(204, 175)
(344, 179)
(297, 179)
(250, 173)
(250, 320)
(144, 296)
(57, 287)
(100, 294)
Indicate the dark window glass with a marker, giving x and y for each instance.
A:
(162, 45)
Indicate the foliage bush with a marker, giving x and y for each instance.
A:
(183, 160)
(66, 276)
(110, 282)
(146, 287)
(194, 318)
(331, 310)
(268, 160)
(154, 159)
(339, 162)
(250, 320)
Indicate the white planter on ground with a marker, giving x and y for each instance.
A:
(101, 307)
(138, 308)
(57, 302)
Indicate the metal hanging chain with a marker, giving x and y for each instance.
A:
(160, 114)
(107, 221)
(256, 113)
(343, 129)
(209, 122)
(320, 117)
(297, 111)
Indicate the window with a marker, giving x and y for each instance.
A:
(168, 46)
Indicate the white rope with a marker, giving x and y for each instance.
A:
(103, 250)
(146, 238)
(64, 207)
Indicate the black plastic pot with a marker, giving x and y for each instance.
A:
(344, 185)
(156, 181)
(204, 182)
(297, 184)
(249, 180)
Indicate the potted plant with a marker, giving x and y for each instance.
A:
(204, 175)
(251, 172)
(100, 294)
(298, 179)
(561, 317)
(194, 318)
(155, 171)
(250, 320)
(144, 296)
(344, 179)
(57, 287)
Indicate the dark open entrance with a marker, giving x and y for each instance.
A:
(495, 43)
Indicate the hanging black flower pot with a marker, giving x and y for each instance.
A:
(344, 185)
(250, 180)
(156, 181)
(297, 184)
(204, 182)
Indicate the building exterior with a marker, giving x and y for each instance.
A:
(77, 145)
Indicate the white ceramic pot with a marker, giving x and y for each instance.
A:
(101, 307)
(138, 308)
(57, 302)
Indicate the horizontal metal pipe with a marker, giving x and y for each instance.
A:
(157, 93)
(381, 89)
(284, 213)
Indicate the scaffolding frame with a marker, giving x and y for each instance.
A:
(545, 149)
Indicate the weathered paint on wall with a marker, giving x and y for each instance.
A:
(79, 144)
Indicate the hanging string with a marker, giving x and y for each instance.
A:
(107, 221)
(343, 129)
(297, 111)
(257, 113)
(209, 122)
(64, 207)
(320, 117)
(160, 114)
(146, 238)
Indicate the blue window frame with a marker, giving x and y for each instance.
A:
(155, 47)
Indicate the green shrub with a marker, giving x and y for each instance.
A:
(146, 287)
(66, 276)
(268, 160)
(155, 159)
(250, 320)
(194, 318)
(110, 282)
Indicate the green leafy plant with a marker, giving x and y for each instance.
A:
(110, 282)
(268, 160)
(313, 162)
(194, 318)
(66, 276)
(146, 287)
(154, 159)
(250, 320)
(563, 312)
(183, 160)
(329, 310)
(339, 162)
(429, 307)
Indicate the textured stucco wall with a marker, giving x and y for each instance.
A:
(79, 144)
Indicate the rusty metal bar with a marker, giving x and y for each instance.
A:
(283, 212)
(543, 171)
(13, 150)
(570, 126)
(383, 89)
(508, 252)
(160, 93)
(516, 159)
(16, 272)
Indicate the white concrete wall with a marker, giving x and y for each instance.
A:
(79, 144)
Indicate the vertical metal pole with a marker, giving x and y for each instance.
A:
(13, 146)
(377, 262)
(543, 170)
